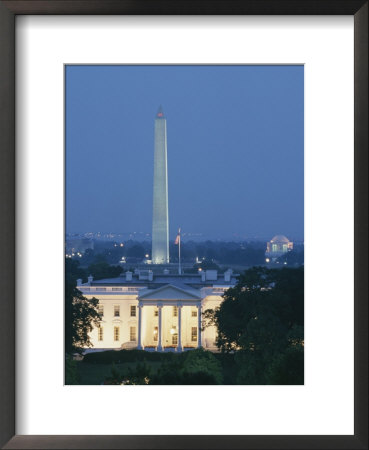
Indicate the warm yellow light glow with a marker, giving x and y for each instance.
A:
(267, 259)
(122, 245)
(146, 256)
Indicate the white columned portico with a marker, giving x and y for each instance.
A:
(179, 345)
(139, 344)
(199, 326)
(160, 348)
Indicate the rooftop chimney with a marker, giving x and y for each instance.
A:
(128, 276)
(90, 279)
(228, 275)
(212, 275)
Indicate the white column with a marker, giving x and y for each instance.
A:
(160, 348)
(179, 347)
(199, 326)
(139, 345)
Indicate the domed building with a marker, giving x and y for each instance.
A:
(277, 247)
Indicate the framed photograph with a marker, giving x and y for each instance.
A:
(184, 224)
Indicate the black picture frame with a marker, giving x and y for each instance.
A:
(8, 12)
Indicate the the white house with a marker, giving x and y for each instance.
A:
(156, 312)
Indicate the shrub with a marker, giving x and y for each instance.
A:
(122, 356)
(71, 372)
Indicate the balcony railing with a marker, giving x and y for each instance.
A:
(108, 289)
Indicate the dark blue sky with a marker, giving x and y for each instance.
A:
(235, 148)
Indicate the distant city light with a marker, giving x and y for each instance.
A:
(267, 259)
(121, 244)
(147, 255)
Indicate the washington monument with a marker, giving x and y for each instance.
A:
(160, 225)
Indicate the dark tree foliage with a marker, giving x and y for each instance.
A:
(193, 367)
(217, 252)
(294, 257)
(242, 253)
(71, 372)
(136, 251)
(102, 270)
(73, 271)
(99, 269)
(132, 376)
(261, 319)
(206, 264)
(81, 314)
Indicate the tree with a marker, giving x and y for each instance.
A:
(102, 270)
(73, 271)
(201, 367)
(261, 319)
(140, 374)
(136, 251)
(294, 257)
(193, 367)
(81, 315)
(71, 372)
(206, 265)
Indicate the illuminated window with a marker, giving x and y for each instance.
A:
(116, 311)
(116, 333)
(175, 339)
(156, 332)
(100, 333)
(194, 334)
(274, 247)
(133, 311)
(285, 247)
(175, 311)
(194, 313)
(132, 334)
(101, 310)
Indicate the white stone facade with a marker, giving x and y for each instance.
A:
(161, 315)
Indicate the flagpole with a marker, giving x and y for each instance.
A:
(179, 252)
